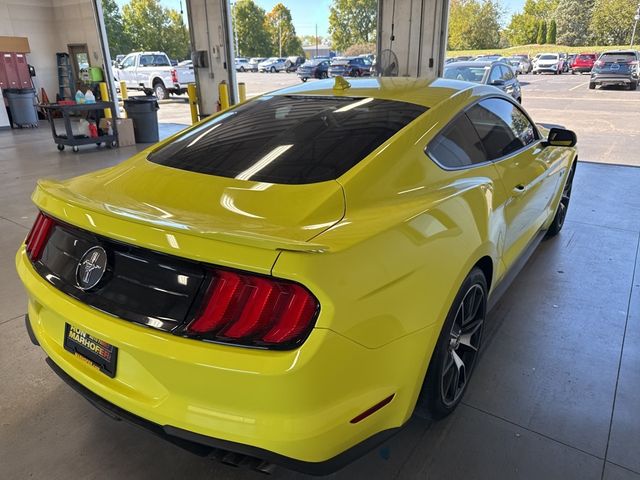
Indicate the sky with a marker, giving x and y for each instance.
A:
(307, 13)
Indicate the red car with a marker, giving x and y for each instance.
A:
(583, 62)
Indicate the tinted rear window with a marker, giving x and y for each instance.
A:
(623, 57)
(289, 139)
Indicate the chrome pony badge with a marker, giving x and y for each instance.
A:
(91, 268)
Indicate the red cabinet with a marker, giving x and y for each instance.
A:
(22, 67)
(14, 71)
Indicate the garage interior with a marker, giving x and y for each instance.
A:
(555, 394)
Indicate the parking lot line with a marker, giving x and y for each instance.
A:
(579, 86)
(592, 99)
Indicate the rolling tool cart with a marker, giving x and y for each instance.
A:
(88, 111)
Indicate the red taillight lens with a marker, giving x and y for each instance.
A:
(174, 75)
(252, 310)
(598, 63)
(38, 236)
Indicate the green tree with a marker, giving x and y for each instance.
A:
(552, 32)
(153, 27)
(524, 27)
(279, 25)
(542, 32)
(249, 25)
(474, 24)
(612, 21)
(119, 42)
(311, 39)
(352, 22)
(573, 18)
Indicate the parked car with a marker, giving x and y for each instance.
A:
(352, 67)
(548, 62)
(616, 67)
(152, 72)
(583, 63)
(564, 66)
(518, 66)
(498, 74)
(242, 64)
(216, 335)
(291, 64)
(491, 58)
(273, 65)
(526, 64)
(252, 66)
(313, 69)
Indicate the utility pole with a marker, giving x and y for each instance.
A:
(635, 25)
(235, 32)
(316, 40)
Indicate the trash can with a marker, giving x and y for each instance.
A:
(144, 113)
(22, 106)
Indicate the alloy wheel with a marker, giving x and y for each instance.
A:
(565, 199)
(464, 343)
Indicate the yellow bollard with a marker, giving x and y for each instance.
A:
(193, 102)
(104, 94)
(124, 94)
(242, 91)
(223, 94)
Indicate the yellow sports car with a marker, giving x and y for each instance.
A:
(293, 278)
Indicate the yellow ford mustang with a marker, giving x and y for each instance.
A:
(292, 278)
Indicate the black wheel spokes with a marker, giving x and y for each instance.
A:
(464, 343)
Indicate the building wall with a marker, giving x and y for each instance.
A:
(51, 25)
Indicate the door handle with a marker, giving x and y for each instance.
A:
(519, 189)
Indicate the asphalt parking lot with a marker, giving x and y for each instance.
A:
(606, 120)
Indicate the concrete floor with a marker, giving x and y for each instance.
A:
(555, 395)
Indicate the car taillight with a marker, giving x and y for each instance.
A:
(599, 63)
(174, 75)
(252, 310)
(38, 236)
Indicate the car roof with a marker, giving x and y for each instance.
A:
(419, 91)
(472, 63)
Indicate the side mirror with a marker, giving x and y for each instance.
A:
(559, 137)
(498, 83)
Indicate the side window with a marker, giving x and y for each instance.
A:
(495, 74)
(502, 127)
(128, 61)
(507, 73)
(457, 146)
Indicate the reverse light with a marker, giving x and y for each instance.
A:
(253, 310)
(38, 236)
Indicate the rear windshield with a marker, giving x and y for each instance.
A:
(586, 57)
(549, 57)
(288, 139)
(623, 57)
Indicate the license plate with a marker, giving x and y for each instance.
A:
(99, 353)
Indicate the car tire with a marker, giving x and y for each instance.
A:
(592, 86)
(324, 75)
(272, 69)
(242, 69)
(633, 86)
(304, 79)
(573, 72)
(443, 388)
(160, 91)
(563, 206)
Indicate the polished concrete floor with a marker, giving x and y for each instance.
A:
(556, 394)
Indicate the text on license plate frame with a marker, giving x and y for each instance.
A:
(101, 354)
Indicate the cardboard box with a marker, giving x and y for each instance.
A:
(14, 44)
(126, 137)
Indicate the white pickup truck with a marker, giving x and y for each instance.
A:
(153, 73)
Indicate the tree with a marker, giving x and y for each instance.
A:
(152, 27)
(552, 32)
(474, 24)
(612, 21)
(525, 27)
(119, 42)
(573, 18)
(279, 25)
(311, 39)
(542, 32)
(249, 25)
(360, 49)
(352, 22)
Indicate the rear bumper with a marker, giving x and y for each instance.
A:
(291, 407)
(581, 69)
(546, 69)
(608, 79)
(204, 446)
